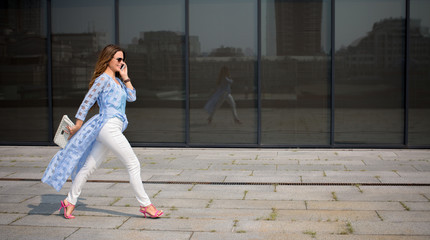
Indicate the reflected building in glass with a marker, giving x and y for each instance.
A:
(234, 73)
(295, 73)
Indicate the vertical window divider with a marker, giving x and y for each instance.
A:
(49, 72)
(332, 77)
(406, 75)
(187, 73)
(259, 72)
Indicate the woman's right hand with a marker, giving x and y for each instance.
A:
(74, 129)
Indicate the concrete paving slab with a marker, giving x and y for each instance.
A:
(257, 204)
(378, 197)
(218, 213)
(405, 216)
(166, 224)
(15, 198)
(293, 196)
(369, 237)
(342, 205)
(326, 215)
(391, 228)
(232, 188)
(188, 178)
(249, 236)
(82, 221)
(312, 167)
(106, 234)
(200, 195)
(419, 206)
(291, 227)
(35, 233)
(263, 179)
(166, 203)
(10, 218)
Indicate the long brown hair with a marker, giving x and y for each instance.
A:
(103, 61)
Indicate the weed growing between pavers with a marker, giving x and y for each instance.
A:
(209, 203)
(235, 222)
(156, 194)
(379, 178)
(379, 216)
(115, 201)
(404, 206)
(334, 196)
(190, 189)
(272, 217)
(311, 233)
(422, 194)
(348, 230)
(244, 194)
(359, 189)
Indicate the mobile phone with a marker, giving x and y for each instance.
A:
(122, 66)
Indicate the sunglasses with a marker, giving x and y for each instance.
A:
(120, 59)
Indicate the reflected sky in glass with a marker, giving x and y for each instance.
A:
(82, 16)
(151, 15)
(353, 25)
(228, 23)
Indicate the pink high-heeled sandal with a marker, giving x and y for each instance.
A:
(145, 211)
(63, 205)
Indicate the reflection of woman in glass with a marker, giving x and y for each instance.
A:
(222, 93)
(92, 141)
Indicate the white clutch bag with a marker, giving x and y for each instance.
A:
(61, 136)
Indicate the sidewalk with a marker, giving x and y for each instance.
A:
(227, 194)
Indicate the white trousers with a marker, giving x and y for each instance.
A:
(230, 100)
(111, 138)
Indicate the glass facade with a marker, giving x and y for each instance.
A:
(369, 71)
(80, 29)
(419, 73)
(223, 55)
(295, 72)
(153, 35)
(257, 73)
(23, 72)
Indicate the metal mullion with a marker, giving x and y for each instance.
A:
(406, 76)
(259, 105)
(49, 72)
(187, 74)
(332, 76)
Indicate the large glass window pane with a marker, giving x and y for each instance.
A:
(152, 33)
(295, 76)
(23, 81)
(419, 73)
(80, 30)
(369, 67)
(223, 52)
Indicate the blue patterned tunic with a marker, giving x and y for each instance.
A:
(111, 99)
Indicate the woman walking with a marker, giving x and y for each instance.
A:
(92, 141)
(222, 93)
